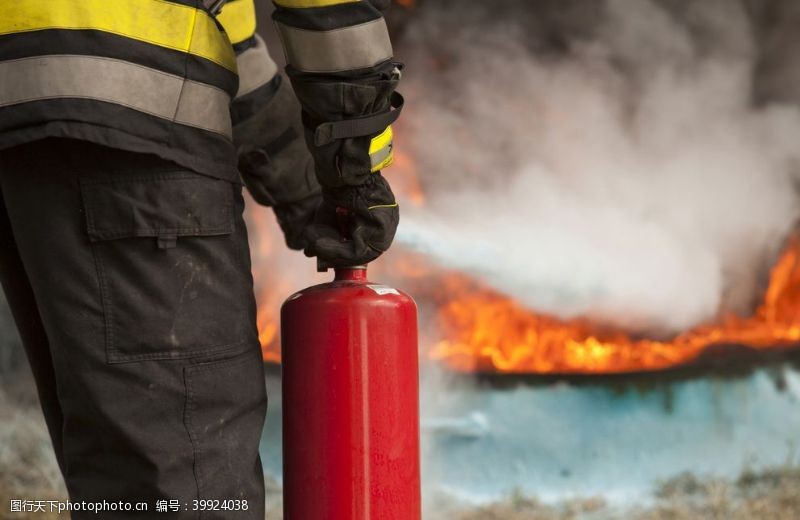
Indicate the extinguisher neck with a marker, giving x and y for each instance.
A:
(356, 273)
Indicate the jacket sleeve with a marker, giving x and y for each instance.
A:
(341, 65)
(267, 131)
(258, 73)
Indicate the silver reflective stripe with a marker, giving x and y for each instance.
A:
(256, 67)
(381, 155)
(354, 47)
(115, 81)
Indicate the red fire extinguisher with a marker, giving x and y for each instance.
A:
(350, 402)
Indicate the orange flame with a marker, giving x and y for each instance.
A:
(473, 328)
(485, 331)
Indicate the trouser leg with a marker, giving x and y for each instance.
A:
(140, 271)
(19, 295)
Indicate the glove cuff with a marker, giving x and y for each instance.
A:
(375, 191)
(345, 121)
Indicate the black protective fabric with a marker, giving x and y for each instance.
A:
(248, 105)
(381, 5)
(129, 279)
(118, 126)
(295, 218)
(101, 43)
(275, 163)
(18, 292)
(355, 224)
(240, 47)
(188, 3)
(88, 119)
(343, 162)
(326, 18)
(369, 125)
(213, 6)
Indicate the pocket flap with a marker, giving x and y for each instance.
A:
(159, 205)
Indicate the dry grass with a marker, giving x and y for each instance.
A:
(519, 507)
(766, 495)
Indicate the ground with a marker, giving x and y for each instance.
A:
(28, 469)
(765, 495)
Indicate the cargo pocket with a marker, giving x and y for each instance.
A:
(226, 403)
(173, 272)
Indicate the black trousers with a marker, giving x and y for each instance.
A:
(129, 280)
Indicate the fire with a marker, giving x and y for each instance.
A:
(471, 328)
(273, 280)
(486, 331)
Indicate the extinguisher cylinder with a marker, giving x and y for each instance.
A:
(350, 402)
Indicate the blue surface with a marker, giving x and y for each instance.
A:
(562, 440)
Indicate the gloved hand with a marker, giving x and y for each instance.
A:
(295, 219)
(347, 127)
(355, 224)
(275, 163)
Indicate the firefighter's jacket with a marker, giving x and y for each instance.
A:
(167, 77)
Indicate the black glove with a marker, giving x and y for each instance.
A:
(295, 219)
(275, 163)
(342, 115)
(355, 224)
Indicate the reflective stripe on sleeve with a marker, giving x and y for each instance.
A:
(115, 81)
(238, 17)
(355, 47)
(381, 150)
(256, 67)
(157, 22)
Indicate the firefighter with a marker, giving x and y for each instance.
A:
(126, 128)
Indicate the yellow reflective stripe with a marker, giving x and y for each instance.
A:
(383, 206)
(239, 19)
(304, 4)
(381, 152)
(381, 140)
(157, 22)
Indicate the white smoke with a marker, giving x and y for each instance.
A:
(611, 165)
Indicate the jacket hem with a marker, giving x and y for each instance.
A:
(115, 138)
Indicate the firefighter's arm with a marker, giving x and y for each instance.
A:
(342, 68)
(274, 162)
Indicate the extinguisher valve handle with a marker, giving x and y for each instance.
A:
(323, 267)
